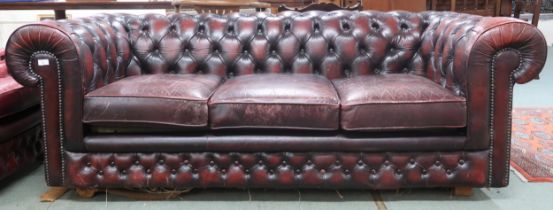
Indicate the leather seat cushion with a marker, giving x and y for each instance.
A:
(280, 101)
(153, 100)
(15, 98)
(398, 102)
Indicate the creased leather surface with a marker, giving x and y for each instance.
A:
(275, 101)
(399, 101)
(178, 100)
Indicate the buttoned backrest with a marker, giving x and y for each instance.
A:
(335, 44)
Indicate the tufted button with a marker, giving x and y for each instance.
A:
(360, 162)
(346, 172)
(247, 171)
(375, 26)
(223, 171)
(287, 27)
(298, 171)
(309, 162)
(323, 171)
(271, 171)
(112, 163)
(316, 27)
(185, 161)
(88, 164)
(201, 28)
(136, 162)
(412, 161)
(404, 26)
(195, 171)
(345, 26)
(461, 162)
(123, 172)
(386, 163)
(148, 171)
(437, 163)
(161, 161)
(448, 171)
(283, 162)
(424, 171)
(236, 162)
(260, 162)
(373, 171)
(398, 171)
(173, 171)
(100, 172)
(173, 27)
(337, 162)
(211, 162)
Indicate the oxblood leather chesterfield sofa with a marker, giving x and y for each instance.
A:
(313, 100)
(20, 130)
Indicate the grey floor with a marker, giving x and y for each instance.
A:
(24, 192)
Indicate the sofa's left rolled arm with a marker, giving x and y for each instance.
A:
(31, 40)
(46, 55)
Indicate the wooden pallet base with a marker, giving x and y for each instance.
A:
(53, 194)
(462, 191)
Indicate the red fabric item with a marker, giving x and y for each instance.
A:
(532, 150)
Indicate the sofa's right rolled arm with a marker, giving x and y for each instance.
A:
(481, 58)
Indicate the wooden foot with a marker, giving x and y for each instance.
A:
(53, 194)
(85, 192)
(462, 191)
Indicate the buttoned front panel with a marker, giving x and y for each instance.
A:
(277, 170)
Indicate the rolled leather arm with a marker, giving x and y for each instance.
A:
(67, 59)
(481, 58)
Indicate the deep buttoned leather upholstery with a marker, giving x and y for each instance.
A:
(473, 58)
(152, 100)
(398, 102)
(301, 101)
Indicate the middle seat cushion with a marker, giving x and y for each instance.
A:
(159, 100)
(275, 101)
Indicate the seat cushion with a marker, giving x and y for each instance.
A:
(15, 98)
(281, 101)
(398, 102)
(162, 99)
